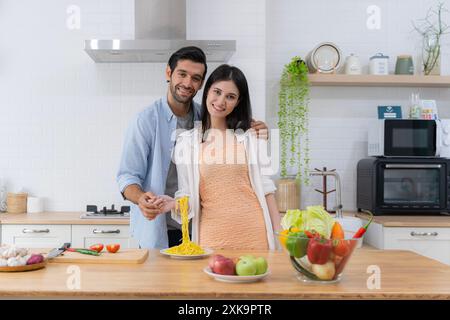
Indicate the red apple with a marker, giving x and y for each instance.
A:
(224, 266)
(213, 259)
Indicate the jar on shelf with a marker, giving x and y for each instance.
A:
(288, 194)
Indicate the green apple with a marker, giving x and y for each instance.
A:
(247, 257)
(246, 267)
(261, 265)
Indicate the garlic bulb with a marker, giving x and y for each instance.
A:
(10, 252)
(22, 252)
(3, 262)
(14, 262)
(22, 261)
(2, 249)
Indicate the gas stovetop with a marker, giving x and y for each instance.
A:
(94, 213)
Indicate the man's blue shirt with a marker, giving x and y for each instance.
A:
(145, 161)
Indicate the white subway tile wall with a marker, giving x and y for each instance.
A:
(63, 117)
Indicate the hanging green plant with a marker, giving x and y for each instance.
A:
(293, 101)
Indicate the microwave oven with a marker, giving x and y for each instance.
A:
(403, 185)
(409, 138)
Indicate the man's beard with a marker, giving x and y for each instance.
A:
(178, 98)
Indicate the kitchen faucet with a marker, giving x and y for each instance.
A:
(337, 182)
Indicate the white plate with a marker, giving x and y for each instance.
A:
(207, 253)
(326, 57)
(236, 279)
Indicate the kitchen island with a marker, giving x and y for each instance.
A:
(404, 275)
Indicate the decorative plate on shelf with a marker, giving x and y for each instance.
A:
(207, 253)
(324, 58)
(235, 279)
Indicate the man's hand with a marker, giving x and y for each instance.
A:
(150, 205)
(261, 129)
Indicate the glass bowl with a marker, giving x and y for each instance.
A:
(317, 260)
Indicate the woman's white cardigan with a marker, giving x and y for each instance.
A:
(186, 158)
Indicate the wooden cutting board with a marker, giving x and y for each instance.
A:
(133, 256)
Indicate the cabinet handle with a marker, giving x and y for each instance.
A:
(97, 231)
(35, 231)
(424, 234)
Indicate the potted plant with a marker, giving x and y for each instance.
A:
(432, 28)
(293, 101)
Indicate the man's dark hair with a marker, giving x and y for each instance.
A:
(241, 116)
(194, 54)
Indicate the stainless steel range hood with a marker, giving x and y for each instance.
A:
(160, 30)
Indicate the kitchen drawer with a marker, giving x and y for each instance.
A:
(84, 236)
(430, 242)
(36, 235)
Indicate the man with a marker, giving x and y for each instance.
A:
(146, 168)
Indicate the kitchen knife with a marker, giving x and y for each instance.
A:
(57, 251)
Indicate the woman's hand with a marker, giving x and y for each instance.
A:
(261, 129)
(167, 204)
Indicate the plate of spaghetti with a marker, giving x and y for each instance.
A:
(206, 252)
(187, 250)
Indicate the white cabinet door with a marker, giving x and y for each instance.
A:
(84, 236)
(430, 242)
(36, 235)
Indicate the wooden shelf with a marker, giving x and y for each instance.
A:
(379, 81)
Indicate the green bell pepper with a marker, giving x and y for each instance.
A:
(297, 244)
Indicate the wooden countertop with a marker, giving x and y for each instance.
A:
(74, 218)
(436, 221)
(55, 218)
(404, 275)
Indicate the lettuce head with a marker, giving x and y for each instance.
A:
(293, 218)
(314, 218)
(319, 220)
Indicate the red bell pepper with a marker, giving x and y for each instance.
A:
(319, 250)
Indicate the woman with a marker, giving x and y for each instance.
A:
(232, 205)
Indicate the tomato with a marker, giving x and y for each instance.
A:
(341, 247)
(97, 247)
(113, 248)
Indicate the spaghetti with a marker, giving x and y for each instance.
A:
(187, 247)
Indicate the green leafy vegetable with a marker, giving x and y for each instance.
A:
(319, 220)
(293, 218)
(314, 218)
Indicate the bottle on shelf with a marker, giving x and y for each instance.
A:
(415, 109)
